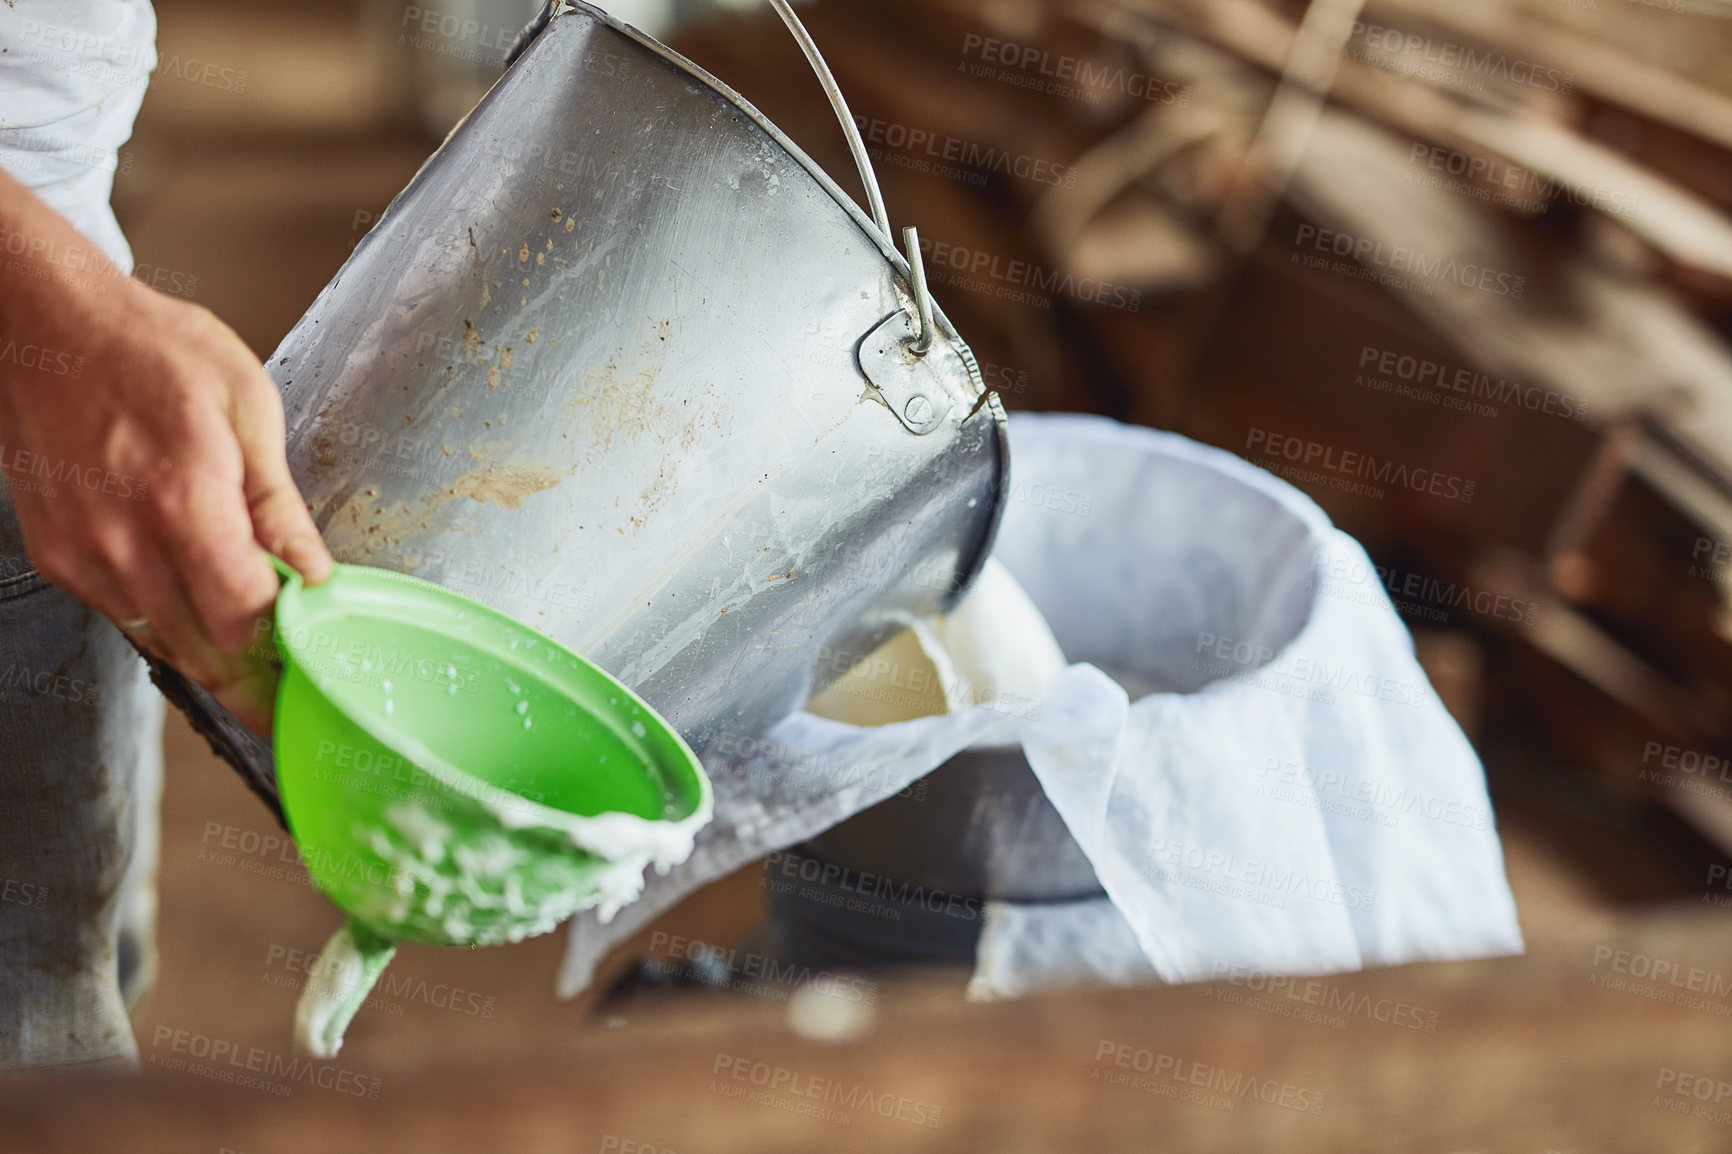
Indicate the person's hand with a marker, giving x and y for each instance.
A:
(146, 460)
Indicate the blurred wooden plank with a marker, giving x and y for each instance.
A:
(1614, 74)
(1676, 222)
(1621, 346)
(1592, 1047)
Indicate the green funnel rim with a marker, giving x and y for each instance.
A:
(682, 770)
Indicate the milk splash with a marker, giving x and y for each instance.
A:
(502, 870)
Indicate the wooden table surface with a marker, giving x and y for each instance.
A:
(1569, 1051)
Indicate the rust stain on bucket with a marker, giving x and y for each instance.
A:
(507, 486)
(362, 525)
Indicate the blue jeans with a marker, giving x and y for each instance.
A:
(80, 789)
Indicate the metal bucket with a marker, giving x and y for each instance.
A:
(624, 363)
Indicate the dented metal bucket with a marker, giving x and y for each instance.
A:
(625, 364)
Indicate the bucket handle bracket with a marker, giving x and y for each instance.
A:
(910, 383)
(920, 343)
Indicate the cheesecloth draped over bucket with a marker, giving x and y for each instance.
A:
(1280, 789)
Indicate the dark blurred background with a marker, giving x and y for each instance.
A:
(1499, 250)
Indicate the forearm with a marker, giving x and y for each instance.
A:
(102, 376)
(56, 289)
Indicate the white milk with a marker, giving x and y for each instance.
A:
(993, 648)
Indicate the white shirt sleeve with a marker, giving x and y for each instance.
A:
(72, 76)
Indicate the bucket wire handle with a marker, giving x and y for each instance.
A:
(875, 197)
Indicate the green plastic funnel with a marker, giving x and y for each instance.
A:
(453, 777)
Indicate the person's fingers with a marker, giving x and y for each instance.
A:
(281, 522)
(251, 700)
(175, 632)
(100, 589)
(79, 566)
(102, 592)
(238, 676)
(203, 529)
